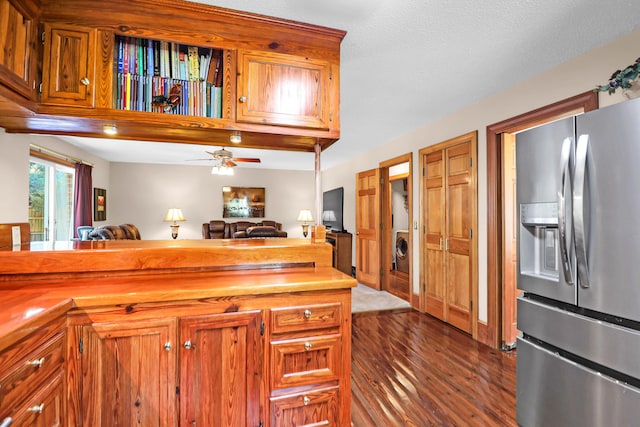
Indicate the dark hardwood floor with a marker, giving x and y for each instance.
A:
(410, 369)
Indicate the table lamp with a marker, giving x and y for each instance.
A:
(174, 214)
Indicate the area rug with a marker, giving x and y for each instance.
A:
(364, 298)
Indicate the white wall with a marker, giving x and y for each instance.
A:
(14, 171)
(141, 194)
(576, 76)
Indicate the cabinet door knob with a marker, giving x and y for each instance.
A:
(36, 363)
(307, 313)
(37, 408)
(167, 346)
(243, 99)
(307, 346)
(6, 422)
(187, 345)
(306, 400)
(85, 81)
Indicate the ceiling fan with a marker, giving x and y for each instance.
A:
(225, 157)
(224, 161)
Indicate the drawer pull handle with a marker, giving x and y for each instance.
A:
(36, 363)
(37, 409)
(306, 400)
(307, 346)
(187, 345)
(6, 422)
(307, 313)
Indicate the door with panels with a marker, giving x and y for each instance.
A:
(449, 220)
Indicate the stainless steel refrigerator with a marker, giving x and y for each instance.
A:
(578, 195)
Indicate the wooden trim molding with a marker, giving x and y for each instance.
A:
(583, 102)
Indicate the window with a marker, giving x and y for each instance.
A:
(50, 200)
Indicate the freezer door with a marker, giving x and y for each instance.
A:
(554, 391)
(544, 165)
(610, 205)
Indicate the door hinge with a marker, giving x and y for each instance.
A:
(80, 345)
(260, 425)
(331, 116)
(423, 171)
(470, 162)
(471, 233)
(261, 329)
(177, 390)
(424, 287)
(40, 88)
(43, 37)
(470, 305)
(331, 74)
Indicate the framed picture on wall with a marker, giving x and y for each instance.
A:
(243, 202)
(99, 204)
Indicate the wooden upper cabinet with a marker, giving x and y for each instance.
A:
(18, 36)
(287, 90)
(69, 65)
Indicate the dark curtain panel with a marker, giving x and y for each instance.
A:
(82, 197)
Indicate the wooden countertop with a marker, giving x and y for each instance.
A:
(37, 286)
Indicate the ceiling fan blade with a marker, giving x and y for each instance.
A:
(230, 163)
(246, 159)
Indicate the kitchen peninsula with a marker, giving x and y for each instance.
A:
(165, 333)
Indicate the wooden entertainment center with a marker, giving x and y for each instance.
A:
(341, 243)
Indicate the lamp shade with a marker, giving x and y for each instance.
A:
(174, 214)
(305, 215)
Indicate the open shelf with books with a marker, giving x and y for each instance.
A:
(166, 77)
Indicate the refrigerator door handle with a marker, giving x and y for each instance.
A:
(562, 213)
(578, 210)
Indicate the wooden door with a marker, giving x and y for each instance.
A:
(449, 218)
(460, 208)
(69, 65)
(18, 38)
(434, 220)
(279, 89)
(509, 246)
(220, 369)
(368, 228)
(129, 374)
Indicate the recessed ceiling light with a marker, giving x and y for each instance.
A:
(110, 129)
(235, 137)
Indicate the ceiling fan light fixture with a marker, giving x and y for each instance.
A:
(221, 170)
(235, 137)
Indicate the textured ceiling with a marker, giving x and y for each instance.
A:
(405, 63)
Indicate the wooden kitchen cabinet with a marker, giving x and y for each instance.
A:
(284, 90)
(18, 53)
(32, 378)
(281, 85)
(69, 65)
(306, 365)
(220, 366)
(129, 373)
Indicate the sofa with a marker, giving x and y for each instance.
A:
(115, 232)
(219, 229)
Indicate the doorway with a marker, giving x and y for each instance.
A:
(396, 226)
(499, 331)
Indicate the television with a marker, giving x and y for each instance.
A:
(332, 204)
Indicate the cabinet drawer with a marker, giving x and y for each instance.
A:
(45, 408)
(305, 318)
(304, 361)
(25, 375)
(316, 408)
